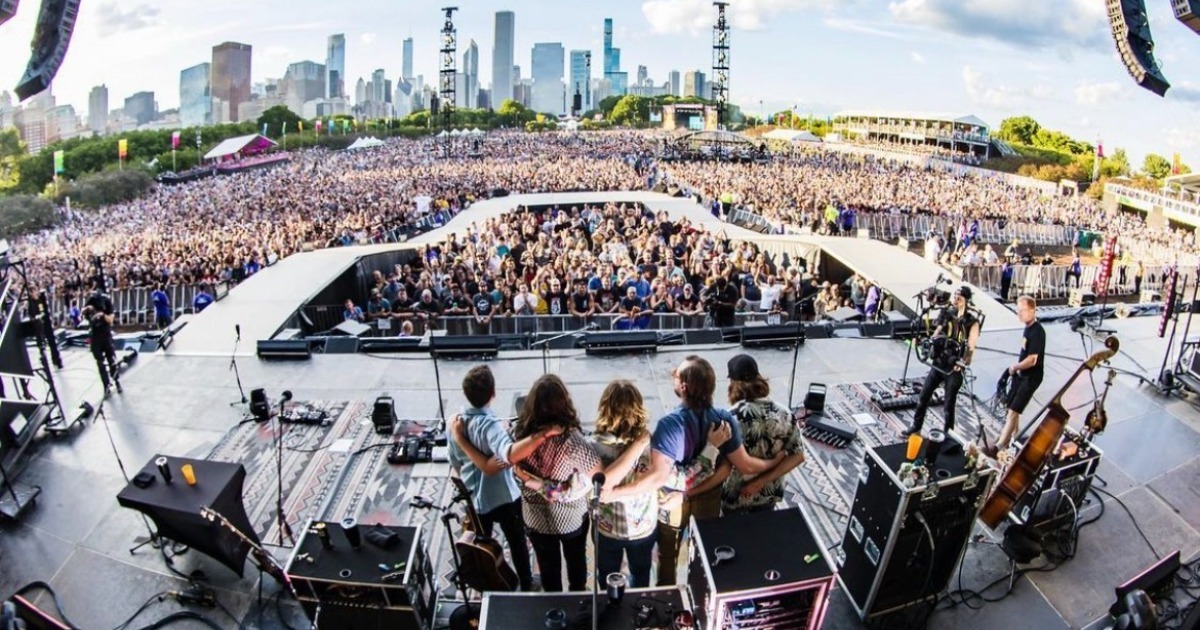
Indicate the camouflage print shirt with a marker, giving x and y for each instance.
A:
(767, 429)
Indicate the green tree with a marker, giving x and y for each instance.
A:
(630, 110)
(1156, 166)
(22, 214)
(1019, 129)
(275, 117)
(607, 104)
(513, 114)
(1115, 165)
(11, 150)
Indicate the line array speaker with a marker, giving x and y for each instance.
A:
(1131, 32)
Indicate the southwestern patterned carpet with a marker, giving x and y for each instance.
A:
(340, 468)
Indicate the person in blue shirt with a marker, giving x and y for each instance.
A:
(202, 299)
(486, 465)
(162, 307)
(679, 440)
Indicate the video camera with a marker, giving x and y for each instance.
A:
(936, 298)
(940, 351)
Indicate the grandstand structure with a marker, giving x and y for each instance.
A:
(957, 133)
(1177, 202)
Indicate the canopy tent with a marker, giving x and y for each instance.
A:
(728, 139)
(241, 145)
(455, 132)
(365, 143)
(791, 135)
(476, 132)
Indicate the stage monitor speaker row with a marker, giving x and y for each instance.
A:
(390, 344)
(817, 330)
(702, 336)
(875, 329)
(622, 342)
(778, 335)
(461, 346)
(341, 345)
(284, 350)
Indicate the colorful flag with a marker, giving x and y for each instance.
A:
(300, 124)
(58, 162)
(264, 131)
(1100, 149)
(1176, 165)
(122, 148)
(285, 127)
(318, 125)
(1106, 265)
(174, 140)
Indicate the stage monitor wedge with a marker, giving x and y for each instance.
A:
(621, 342)
(777, 335)
(464, 346)
(284, 350)
(1131, 34)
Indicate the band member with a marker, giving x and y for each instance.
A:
(99, 314)
(483, 453)
(679, 440)
(1026, 372)
(954, 342)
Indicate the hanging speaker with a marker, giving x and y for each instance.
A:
(1131, 33)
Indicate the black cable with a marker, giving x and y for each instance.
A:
(1133, 520)
(182, 615)
(39, 585)
(155, 598)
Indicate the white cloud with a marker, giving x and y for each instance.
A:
(983, 90)
(1186, 92)
(1182, 138)
(113, 19)
(917, 57)
(1027, 23)
(1092, 94)
(367, 38)
(697, 16)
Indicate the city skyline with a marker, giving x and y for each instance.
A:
(1055, 63)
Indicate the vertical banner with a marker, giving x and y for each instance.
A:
(58, 163)
(1171, 284)
(1106, 266)
(264, 131)
(122, 149)
(175, 140)
(300, 124)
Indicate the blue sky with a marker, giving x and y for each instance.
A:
(1052, 59)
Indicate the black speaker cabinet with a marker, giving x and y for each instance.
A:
(341, 345)
(372, 345)
(777, 335)
(284, 349)
(639, 608)
(352, 590)
(875, 329)
(462, 346)
(621, 342)
(903, 542)
(779, 578)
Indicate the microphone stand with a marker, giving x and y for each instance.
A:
(234, 366)
(594, 509)
(544, 344)
(280, 515)
(795, 360)
(912, 340)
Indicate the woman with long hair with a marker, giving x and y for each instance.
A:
(627, 526)
(557, 481)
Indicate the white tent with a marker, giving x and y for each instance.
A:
(365, 143)
(443, 133)
(456, 132)
(791, 135)
(246, 145)
(476, 132)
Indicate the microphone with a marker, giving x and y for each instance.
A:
(287, 395)
(238, 329)
(598, 480)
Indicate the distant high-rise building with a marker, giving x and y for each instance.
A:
(581, 79)
(504, 76)
(335, 67)
(31, 123)
(303, 82)
(61, 123)
(98, 107)
(361, 94)
(643, 75)
(231, 75)
(195, 96)
(673, 83)
(406, 60)
(547, 71)
(618, 81)
(141, 108)
(470, 67)
(694, 84)
(402, 99)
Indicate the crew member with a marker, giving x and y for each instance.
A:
(955, 338)
(99, 314)
(721, 302)
(1026, 372)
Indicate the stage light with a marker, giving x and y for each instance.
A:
(259, 407)
(8, 8)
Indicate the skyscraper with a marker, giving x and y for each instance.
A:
(581, 79)
(643, 75)
(335, 67)
(673, 83)
(231, 76)
(195, 96)
(502, 58)
(618, 81)
(141, 108)
(406, 62)
(98, 107)
(303, 82)
(694, 84)
(548, 86)
(470, 99)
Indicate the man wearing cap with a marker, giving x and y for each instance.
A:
(768, 430)
(955, 338)
(1027, 371)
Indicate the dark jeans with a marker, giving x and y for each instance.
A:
(639, 552)
(508, 517)
(104, 353)
(551, 549)
(953, 382)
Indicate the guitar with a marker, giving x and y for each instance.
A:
(1097, 419)
(265, 562)
(1045, 438)
(481, 561)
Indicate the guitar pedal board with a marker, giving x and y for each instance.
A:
(410, 450)
(830, 431)
(891, 394)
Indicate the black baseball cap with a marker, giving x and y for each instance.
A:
(743, 367)
(965, 291)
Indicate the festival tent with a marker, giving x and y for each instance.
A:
(476, 132)
(791, 135)
(443, 134)
(365, 143)
(240, 146)
(456, 132)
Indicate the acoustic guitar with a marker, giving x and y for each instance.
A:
(1045, 438)
(1097, 418)
(266, 563)
(481, 563)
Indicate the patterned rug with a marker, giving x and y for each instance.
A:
(825, 484)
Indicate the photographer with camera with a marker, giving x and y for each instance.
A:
(953, 343)
(719, 301)
(98, 312)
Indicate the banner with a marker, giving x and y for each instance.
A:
(264, 131)
(174, 140)
(122, 148)
(300, 124)
(1176, 165)
(58, 162)
(1171, 282)
(1106, 266)
(285, 127)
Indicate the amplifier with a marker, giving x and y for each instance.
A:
(642, 608)
(1062, 483)
(903, 543)
(779, 576)
(368, 588)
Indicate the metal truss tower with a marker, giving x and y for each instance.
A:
(720, 67)
(446, 91)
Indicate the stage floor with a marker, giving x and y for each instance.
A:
(77, 538)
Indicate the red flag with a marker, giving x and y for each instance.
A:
(175, 140)
(1106, 266)
(1099, 149)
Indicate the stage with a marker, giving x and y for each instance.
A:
(77, 538)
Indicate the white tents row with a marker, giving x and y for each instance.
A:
(791, 135)
(365, 143)
(460, 132)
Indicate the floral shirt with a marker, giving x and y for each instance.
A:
(630, 518)
(767, 429)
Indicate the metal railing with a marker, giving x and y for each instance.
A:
(1054, 282)
(1176, 209)
(918, 226)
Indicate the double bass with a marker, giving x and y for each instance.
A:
(1028, 463)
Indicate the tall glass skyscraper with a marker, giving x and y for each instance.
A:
(335, 67)
(470, 97)
(98, 106)
(581, 79)
(195, 96)
(502, 57)
(548, 86)
(231, 75)
(617, 80)
(406, 62)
